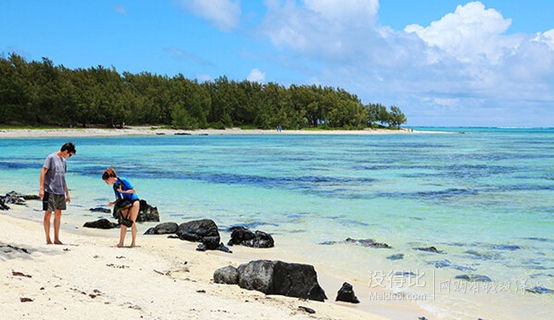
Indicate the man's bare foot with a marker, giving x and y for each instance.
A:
(48, 241)
(132, 245)
(119, 245)
(58, 242)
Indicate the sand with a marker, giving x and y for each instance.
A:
(88, 278)
(153, 131)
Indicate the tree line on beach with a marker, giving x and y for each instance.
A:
(40, 93)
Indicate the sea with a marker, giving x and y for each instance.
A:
(463, 217)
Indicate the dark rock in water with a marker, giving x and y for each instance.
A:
(101, 224)
(245, 237)
(363, 242)
(277, 277)
(398, 256)
(540, 290)
(328, 243)
(422, 318)
(306, 309)
(227, 275)
(368, 243)
(182, 134)
(484, 256)
(474, 278)
(163, 228)
(448, 264)
(98, 209)
(429, 249)
(146, 212)
(506, 247)
(539, 239)
(346, 294)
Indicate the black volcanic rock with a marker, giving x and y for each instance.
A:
(146, 212)
(277, 277)
(101, 224)
(346, 294)
(205, 231)
(164, 228)
(245, 237)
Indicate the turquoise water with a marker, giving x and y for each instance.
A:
(483, 196)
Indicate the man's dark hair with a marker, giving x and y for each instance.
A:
(70, 147)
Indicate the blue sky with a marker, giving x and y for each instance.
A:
(443, 62)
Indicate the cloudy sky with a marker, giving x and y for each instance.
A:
(443, 62)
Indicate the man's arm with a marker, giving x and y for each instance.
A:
(41, 190)
(67, 198)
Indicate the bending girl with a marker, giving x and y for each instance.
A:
(124, 190)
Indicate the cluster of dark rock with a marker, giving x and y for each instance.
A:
(207, 232)
(15, 198)
(280, 278)
(204, 231)
(244, 237)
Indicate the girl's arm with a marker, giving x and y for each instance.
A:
(126, 191)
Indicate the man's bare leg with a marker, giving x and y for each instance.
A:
(47, 215)
(57, 222)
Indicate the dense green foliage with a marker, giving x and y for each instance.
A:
(39, 93)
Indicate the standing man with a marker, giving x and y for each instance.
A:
(53, 189)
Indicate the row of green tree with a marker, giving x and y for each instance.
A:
(38, 92)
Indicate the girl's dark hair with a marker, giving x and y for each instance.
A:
(109, 173)
(70, 147)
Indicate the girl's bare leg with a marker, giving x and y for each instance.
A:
(134, 213)
(123, 232)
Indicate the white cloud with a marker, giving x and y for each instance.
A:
(224, 14)
(120, 9)
(546, 37)
(179, 54)
(324, 26)
(470, 33)
(203, 77)
(256, 76)
(463, 62)
(352, 11)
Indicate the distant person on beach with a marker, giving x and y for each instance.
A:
(124, 190)
(53, 189)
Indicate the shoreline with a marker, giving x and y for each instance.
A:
(156, 131)
(58, 273)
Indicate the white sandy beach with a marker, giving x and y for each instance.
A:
(153, 131)
(88, 278)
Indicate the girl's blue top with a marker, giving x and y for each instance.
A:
(126, 185)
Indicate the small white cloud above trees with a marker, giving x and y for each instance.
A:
(256, 76)
(224, 14)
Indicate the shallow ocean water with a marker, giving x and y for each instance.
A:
(484, 197)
